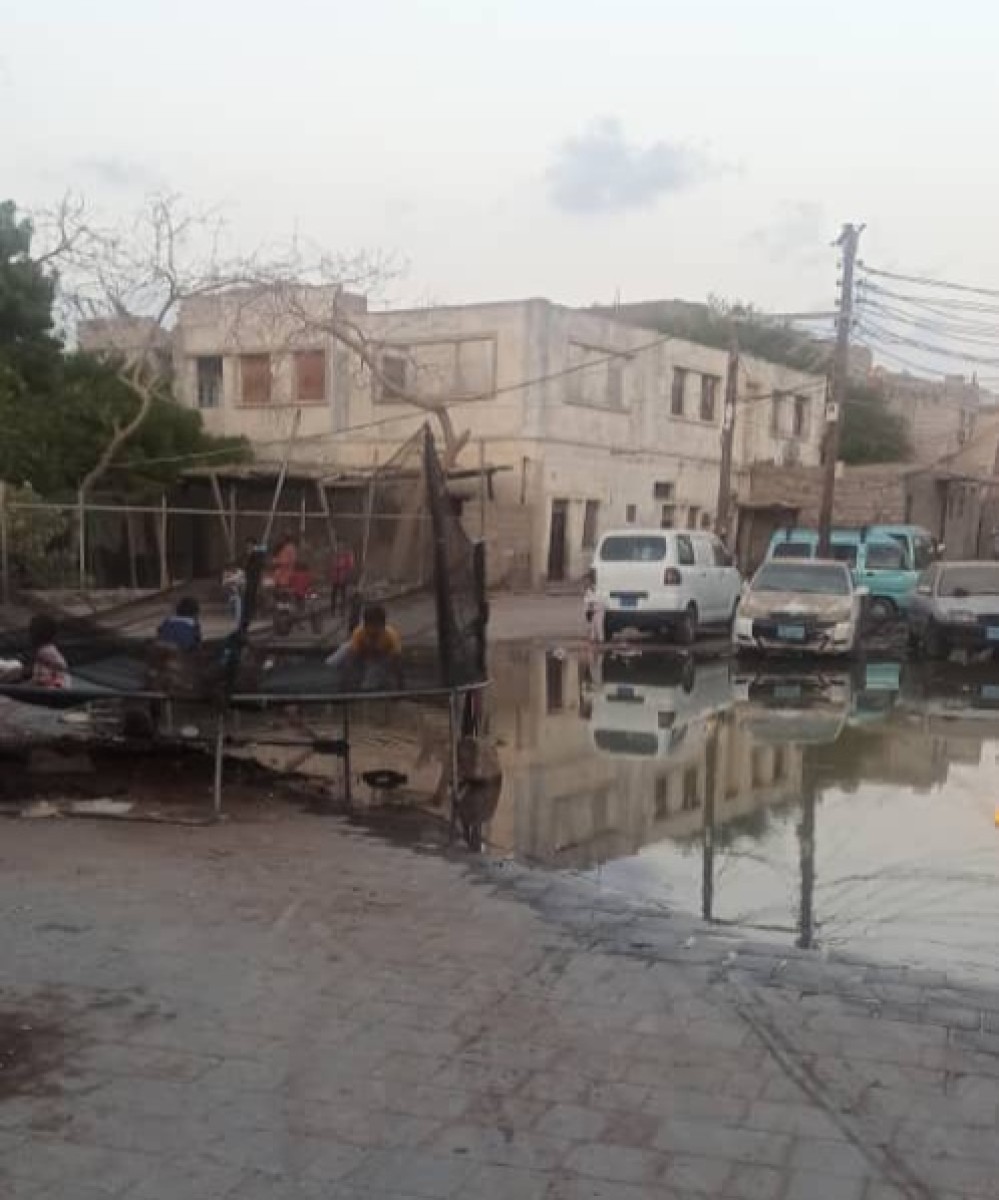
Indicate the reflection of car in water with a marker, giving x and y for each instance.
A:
(651, 705)
(793, 705)
(877, 686)
(952, 699)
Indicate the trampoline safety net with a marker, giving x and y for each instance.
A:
(413, 558)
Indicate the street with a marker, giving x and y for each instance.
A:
(284, 1006)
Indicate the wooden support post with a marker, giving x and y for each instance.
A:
(482, 489)
(229, 534)
(4, 547)
(162, 545)
(82, 539)
(279, 486)
(133, 566)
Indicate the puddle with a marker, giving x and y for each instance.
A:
(849, 808)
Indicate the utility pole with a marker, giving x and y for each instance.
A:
(724, 506)
(849, 240)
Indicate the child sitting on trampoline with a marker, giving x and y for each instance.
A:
(371, 660)
(48, 668)
(183, 629)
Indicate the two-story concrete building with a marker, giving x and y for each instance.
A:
(592, 423)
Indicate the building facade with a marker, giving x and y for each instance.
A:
(590, 423)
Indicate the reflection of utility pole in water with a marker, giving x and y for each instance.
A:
(708, 826)
(806, 852)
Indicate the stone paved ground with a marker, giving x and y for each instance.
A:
(291, 1009)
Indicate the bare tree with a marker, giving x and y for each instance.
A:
(122, 286)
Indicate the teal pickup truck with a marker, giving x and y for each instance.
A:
(884, 559)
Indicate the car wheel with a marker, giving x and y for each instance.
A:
(686, 629)
(934, 642)
(880, 609)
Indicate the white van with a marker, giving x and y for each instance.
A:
(663, 579)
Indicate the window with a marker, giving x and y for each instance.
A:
(691, 800)
(684, 551)
(667, 518)
(255, 378)
(664, 491)
(596, 376)
(792, 550)
(630, 514)
(554, 683)
(885, 556)
(722, 556)
(677, 394)
(802, 413)
(310, 375)
(615, 391)
(645, 548)
(924, 552)
(709, 396)
(693, 513)
(209, 382)
(662, 797)
(776, 405)
(590, 516)
(395, 372)
(844, 552)
(705, 520)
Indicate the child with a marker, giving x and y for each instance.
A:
(183, 629)
(372, 659)
(48, 669)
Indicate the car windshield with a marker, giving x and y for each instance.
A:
(844, 552)
(885, 556)
(633, 548)
(812, 579)
(969, 581)
(792, 550)
(924, 552)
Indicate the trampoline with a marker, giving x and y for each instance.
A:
(416, 561)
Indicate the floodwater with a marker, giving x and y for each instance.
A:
(851, 808)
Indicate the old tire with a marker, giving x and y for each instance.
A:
(686, 628)
(880, 609)
(934, 643)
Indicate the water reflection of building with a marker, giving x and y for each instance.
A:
(599, 762)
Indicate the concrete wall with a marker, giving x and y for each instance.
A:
(577, 406)
(940, 414)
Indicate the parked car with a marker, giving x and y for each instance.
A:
(880, 562)
(663, 580)
(811, 607)
(955, 606)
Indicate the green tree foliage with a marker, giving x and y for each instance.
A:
(870, 433)
(29, 351)
(60, 409)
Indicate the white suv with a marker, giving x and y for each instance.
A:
(662, 580)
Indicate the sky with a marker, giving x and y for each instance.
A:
(572, 149)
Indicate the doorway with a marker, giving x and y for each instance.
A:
(557, 541)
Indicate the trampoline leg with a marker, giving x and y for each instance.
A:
(347, 789)
(219, 747)
(452, 729)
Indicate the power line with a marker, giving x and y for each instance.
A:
(983, 335)
(948, 305)
(924, 281)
